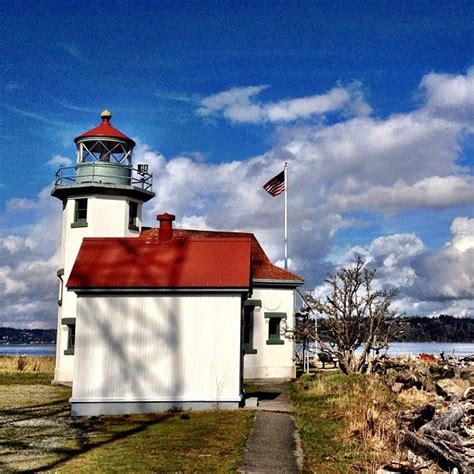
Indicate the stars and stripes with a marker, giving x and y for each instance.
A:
(276, 185)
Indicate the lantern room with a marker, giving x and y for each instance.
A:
(105, 144)
(104, 158)
(104, 154)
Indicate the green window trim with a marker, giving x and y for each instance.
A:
(60, 274)
(254, 303)
(274, 336)
(80, 212)
(275, 342)
(71, 334)
(248, 330)
(275, 315)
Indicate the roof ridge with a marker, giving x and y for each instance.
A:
(204, 230)
(199, 239)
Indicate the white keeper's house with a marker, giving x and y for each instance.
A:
(154, 318)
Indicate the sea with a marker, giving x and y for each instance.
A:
(28, 349)
(395, 349)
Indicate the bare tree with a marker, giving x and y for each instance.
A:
(354, 315)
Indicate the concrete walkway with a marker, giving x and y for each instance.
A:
(273, 444)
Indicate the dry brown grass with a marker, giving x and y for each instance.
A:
(27, 364)
(371, 413)
(347, 423)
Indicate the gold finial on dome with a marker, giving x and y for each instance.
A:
(106, 115)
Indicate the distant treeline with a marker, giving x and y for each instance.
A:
(27, 336)
(443, 328)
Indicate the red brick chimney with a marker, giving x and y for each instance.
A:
(166, 226)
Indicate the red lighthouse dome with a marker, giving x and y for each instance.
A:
(105, 130)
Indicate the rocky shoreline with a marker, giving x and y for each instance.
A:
(439, 433)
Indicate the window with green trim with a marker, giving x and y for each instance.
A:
(248, 330)
(274, 328)
(71, 335)
(133, 215)
(80, 211)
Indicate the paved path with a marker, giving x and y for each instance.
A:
(273, 444)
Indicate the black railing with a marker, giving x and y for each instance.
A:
(100, 174)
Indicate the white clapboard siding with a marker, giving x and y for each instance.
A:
(107, 216)
(157, 348)
(271, 361)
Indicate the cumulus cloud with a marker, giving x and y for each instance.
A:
(29, 259)
(448, 273)
(452, 93)
(431, 282)
(241, 105)
(399, 163)
(58, 161)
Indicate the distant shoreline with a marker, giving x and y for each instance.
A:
(460, 349)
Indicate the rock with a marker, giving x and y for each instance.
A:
(397, 387)
(469, 394)
(453, 389)
(467, 373)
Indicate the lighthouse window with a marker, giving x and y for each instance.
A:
(71, 334)
(133, 215)
(248, 330)
(80, 213)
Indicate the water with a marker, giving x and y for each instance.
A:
(28, 349)
(395, 349)
(449, 348)
(415, 348)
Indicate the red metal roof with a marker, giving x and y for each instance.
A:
(105, 130)
(149, 263)
(262, 267)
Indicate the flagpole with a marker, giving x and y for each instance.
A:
(286, 215)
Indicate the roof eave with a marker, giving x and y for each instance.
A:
(276, 282)
(124, 290)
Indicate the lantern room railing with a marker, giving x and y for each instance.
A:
(98, 173)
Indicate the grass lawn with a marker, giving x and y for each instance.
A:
(346, 423)
(37, 433)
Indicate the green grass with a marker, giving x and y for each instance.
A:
(40, 435)
(189, 442)
(319, 429)
(25, 378)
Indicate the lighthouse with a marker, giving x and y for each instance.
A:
(102, 196)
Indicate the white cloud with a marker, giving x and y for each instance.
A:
(430, 192)
(390, 165)
(241, 105)
(450, 93)
(20, 204)
(430, 281)
(462, 229)
(59, 161)
(29, 259)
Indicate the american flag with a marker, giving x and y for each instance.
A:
(276, 185)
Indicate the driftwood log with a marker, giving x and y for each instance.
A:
(445, 438)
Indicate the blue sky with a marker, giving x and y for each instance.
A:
(317, 83)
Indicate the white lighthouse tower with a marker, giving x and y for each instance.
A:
(102, 196)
